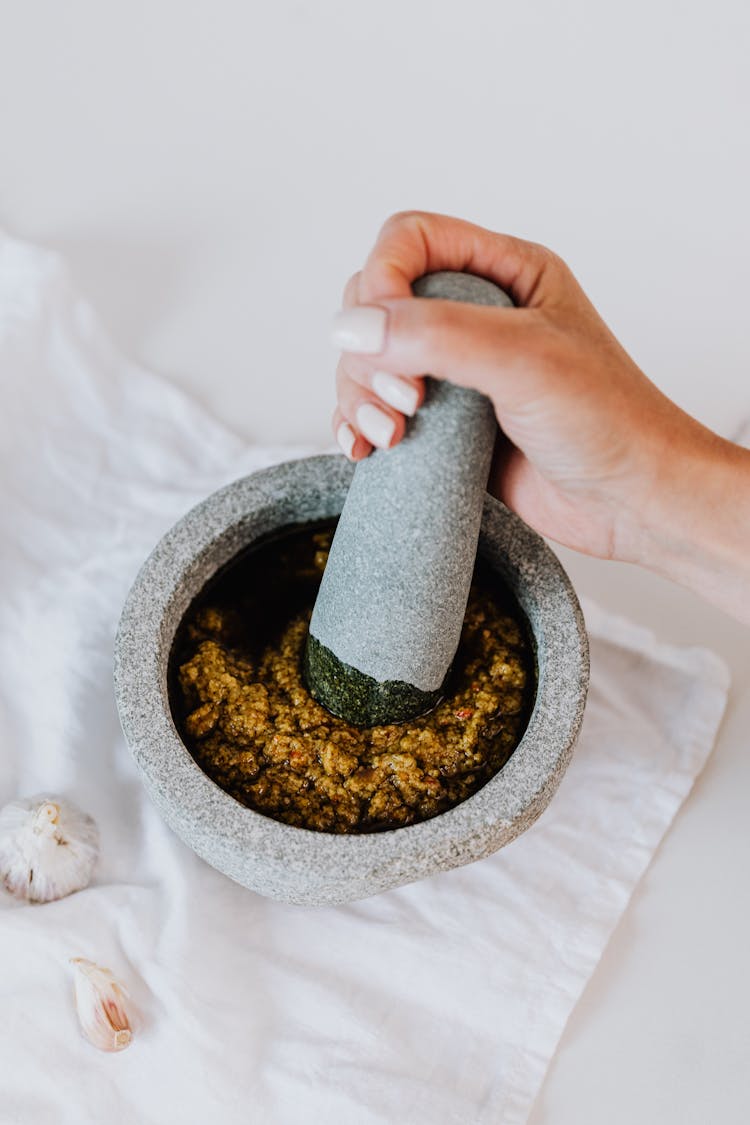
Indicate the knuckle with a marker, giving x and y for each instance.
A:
(404, 218)
(548, 257)
(435, 330)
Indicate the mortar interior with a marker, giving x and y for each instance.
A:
(488, 563)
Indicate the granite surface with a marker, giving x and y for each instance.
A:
(297, 865)
(389, 612)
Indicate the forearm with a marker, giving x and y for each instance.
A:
(697, 531)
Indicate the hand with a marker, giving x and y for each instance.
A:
(591, 453)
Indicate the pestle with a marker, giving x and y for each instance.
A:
(388, 616)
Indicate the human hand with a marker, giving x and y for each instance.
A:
(591, 453)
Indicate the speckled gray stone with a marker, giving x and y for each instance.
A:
(293, 864)
(393, 596)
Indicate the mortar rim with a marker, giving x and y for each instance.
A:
(214, 823)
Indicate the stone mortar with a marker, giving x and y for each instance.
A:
(314, 868)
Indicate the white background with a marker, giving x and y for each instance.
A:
(214, 172)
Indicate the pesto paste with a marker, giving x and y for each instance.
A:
(243, 711)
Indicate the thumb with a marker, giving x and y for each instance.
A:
(484, 347)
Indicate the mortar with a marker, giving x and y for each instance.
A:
(294, 864)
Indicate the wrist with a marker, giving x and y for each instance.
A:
(696, 526)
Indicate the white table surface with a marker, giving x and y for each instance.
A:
(215, 171)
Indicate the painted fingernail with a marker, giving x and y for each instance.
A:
(377, 426)
(359, 329)
(346, 438)
(396, 392)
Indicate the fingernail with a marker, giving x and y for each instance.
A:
(359, 329)
(375, 424)
(396, 392)
(346, 438)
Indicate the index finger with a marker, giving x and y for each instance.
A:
(412, 243)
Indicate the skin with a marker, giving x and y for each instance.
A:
(591, 453)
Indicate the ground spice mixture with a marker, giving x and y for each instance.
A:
(244, 713)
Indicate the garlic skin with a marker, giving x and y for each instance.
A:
(101, 1003)
(48, 848)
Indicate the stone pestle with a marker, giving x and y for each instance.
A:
(390, 608)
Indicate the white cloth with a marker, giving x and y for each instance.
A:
(440, 1002)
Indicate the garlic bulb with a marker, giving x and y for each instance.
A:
(101, 1006)
(48, 848)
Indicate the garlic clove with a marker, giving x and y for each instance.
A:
(48, 848)
(101, 1003)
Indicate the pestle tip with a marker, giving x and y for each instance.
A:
(357, 698)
